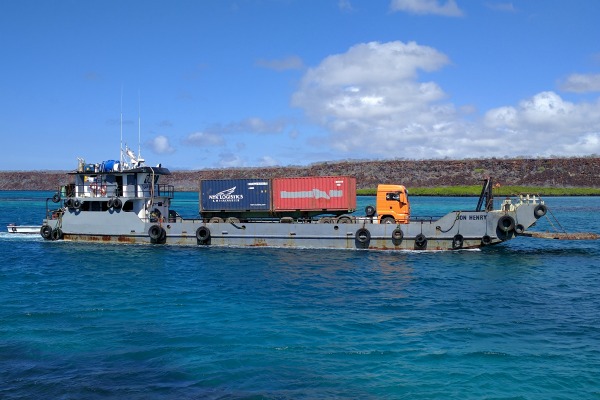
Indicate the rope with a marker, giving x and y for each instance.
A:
(449, 229)
(555, 220)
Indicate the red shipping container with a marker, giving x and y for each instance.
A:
(320, 193)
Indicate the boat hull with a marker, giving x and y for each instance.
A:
(456, 230)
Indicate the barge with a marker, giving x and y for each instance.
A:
(118, 202)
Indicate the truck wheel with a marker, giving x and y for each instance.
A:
(326, 220)
(388, 220)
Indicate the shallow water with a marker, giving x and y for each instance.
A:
(518, 320)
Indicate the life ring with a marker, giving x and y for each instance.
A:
(117, 203)
(486, 239)
(519, 229)
(420, 241)
(457, 241)
(370, 211)
(506, 223)
(57, 234)
(56, 198)
(363, 236)
(397, 235)
(540, 211)
(203, 235)
(46, 232)
(155, 232)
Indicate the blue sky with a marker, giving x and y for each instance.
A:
(230, 83)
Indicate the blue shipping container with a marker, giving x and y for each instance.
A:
(235, 195)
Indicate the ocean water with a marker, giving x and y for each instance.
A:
(89, 321)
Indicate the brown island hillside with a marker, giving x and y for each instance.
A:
(541, 172)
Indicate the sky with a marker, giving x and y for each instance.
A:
(196, 84)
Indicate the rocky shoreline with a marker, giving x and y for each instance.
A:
(544, 172)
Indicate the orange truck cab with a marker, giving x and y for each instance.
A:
(392, 204)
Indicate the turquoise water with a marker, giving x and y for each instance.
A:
(516, 321)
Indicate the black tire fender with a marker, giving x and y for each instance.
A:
(519, 229)
(155, 232)
(420, 241)
(57, 234)
(56, 198)
(486, 239)
(370, 211)
(397, 234)
(457, 241)
(506, 223)
(46, 232)
(117, 203)
(203, 234)
(540, 210)
(363, 235)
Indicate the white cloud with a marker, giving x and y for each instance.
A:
(230, 160)
(250, 125)
(447, 8)
(345, 5)
(546, 124)
(160, 145)
(267, 161)
(499, 6)
(581, 83)
(372, 104)
(204, 139)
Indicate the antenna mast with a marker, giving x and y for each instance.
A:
(139, 127)
(121, 125)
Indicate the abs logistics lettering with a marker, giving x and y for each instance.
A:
(226, 196)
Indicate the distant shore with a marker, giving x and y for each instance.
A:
(576, 176)
(474, 191)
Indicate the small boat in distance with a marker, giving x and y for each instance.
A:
(123, 202)
(25, 229)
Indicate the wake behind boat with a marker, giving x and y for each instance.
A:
(118, 202)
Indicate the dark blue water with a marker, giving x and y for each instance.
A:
(515, 321)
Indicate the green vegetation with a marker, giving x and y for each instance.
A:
(501, 191)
